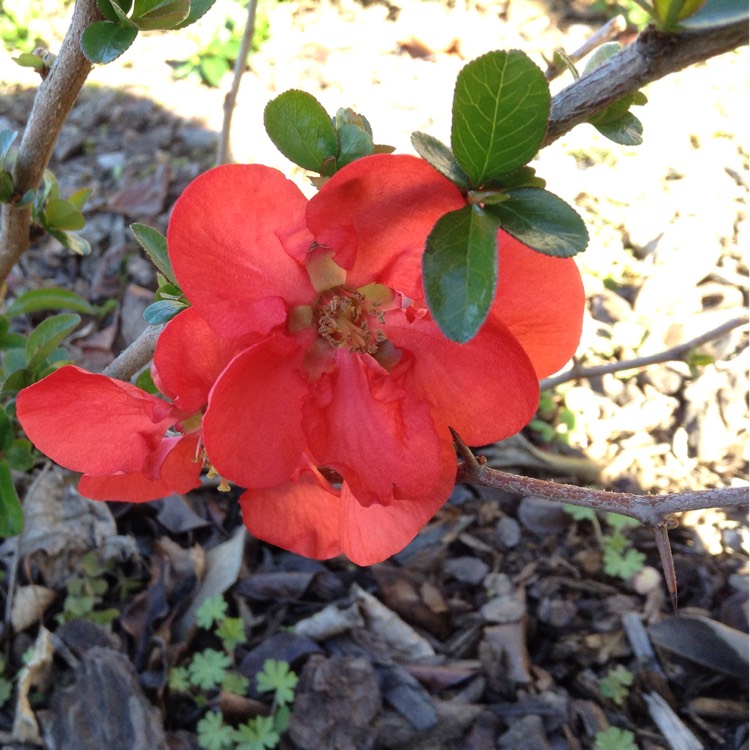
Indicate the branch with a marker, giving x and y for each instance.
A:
(52, 104)
(223, 156)
(129, 361)
(676, 353)
(650, 57)
(651, 510)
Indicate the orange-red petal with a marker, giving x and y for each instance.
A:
(485, 389)
(364, 425)
(233, 237)
(376, 213)
(541, 300)
(91, 423)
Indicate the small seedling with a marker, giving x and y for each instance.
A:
(210, 670)
(618, 555)
(554, 422)
(616, 684)
(85, 592)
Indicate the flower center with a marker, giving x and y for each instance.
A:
(347, 319)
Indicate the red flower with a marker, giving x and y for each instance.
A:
(341, 365)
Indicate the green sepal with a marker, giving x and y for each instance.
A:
(301, 129)
(500, 110)
(542, 221)
(459, 269)
(103, 41)
(11, 512)
(48, 298)
(438, 155)
(154, 244)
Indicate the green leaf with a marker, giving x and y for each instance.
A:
(232, 632)
(155, 245)
(213, 69)
(20, 455)
(301, 129)
(437, 154)
(162, 311)
(214, 734)
(257, 734)
(29, 60)
(623, 564)
(11, 513)
(235, 683)
(213, 609)
(459, 268)
(46, 337)
(145, 382)
(62, 215)
(618, 522)
(669, 12)
(615, 738)
(72, 240)
(150, 15)
(716, 13)
(79, 198)
(108, 11)
(207, 668)
(279, 678)
(6, 186)
(103, 42)
(7, 137)
(354, 143)
(627, 130)
(600, 55)
(616, 684)
(48, 298)
(500, 109)
(178, 679)
(6, 690)
(542, 221)
(198, 8)
(580, 513)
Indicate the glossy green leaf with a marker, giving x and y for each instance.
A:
(108, 11)
(354, 143)
(542, 221)
(79, 198)
(61, 214)
(459, 269)
(150, 15)
(46, 337)
(7, 137)
(11, 512)
(162, 311)
(437, 154)
(627, 130)
(48, 298)
(198, 8)
(155, 245)
(717, 13)
(103, 41)
(301, 129)
(500, 110)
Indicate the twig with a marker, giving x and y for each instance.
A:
(223, 154)
(129, 361)
(652, 510)
(611, 30)
(668, 355)
(52, 104)
(650, 57)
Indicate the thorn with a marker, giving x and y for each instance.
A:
(667, 561)
(470, 460)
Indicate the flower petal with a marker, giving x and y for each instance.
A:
(485, 389)
(301, 516)
(233, 238)
(189, 358)
(541, 300)
(179, 472)
(371, 533)
(376, 213)
(378, 436)
(91, 423)
(252, 427)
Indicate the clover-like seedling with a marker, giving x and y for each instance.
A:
(615, 738)
(616, 684)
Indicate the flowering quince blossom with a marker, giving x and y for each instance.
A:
(309, 347)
